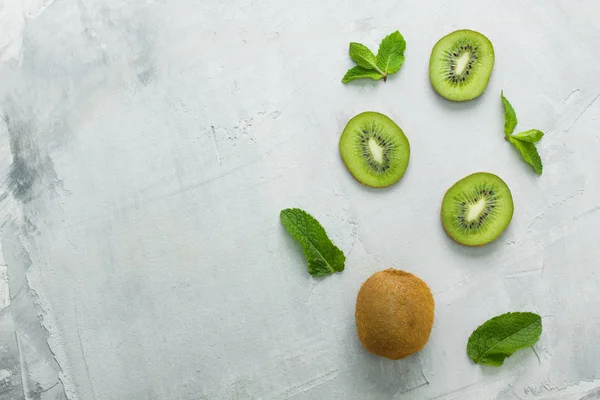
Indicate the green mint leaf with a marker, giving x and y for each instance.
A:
(499, 337)
(359, 73)
(389, 59)
(531, 136)
(529, 154)
(510, 117)
(390, 56)
(364, 57)
(323, 256)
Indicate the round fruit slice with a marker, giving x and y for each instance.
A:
(394, 314)
(461, 64)
(477, 209)
(374, 149)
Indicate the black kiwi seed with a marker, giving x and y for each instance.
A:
(371, 166)
(452, 57)
(475, 72)
(465, 194)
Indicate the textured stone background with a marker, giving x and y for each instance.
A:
(147, 147)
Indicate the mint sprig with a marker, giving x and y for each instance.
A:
(388, 60)
(323, 256)
(501, 336)
(524, 141)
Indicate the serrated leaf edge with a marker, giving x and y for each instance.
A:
(539, 321)
(374, 67)
(377, 56)
(514, 136)
(504, 99)
(329, 266)
(513, 141)
(362, 77)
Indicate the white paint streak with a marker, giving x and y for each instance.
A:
(13, 18)
(4, 289)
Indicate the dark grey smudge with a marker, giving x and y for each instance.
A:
(594, 394)
(40, 372)
(28, 165)
(143, 60)
(146, 75)
(141, 35)
(45, 81)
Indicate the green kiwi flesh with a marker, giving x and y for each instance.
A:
(374, 149)
(477, 209)
(461, 64)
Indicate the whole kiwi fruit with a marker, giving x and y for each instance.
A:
(394, 314)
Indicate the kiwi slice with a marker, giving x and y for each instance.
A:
(461, 64)
(394, 314)
(374, 149)
(477, 209)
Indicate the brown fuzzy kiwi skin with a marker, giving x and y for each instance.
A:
(394, 314)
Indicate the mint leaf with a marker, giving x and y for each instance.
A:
(323, 256)
(360, 72)
(531, 136)
(529, 154)
(501, 336)
(390, 56)
(510, 117)
(389, 59)
(364, 57)
(524, 141)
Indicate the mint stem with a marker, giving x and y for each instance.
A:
(381, 72)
